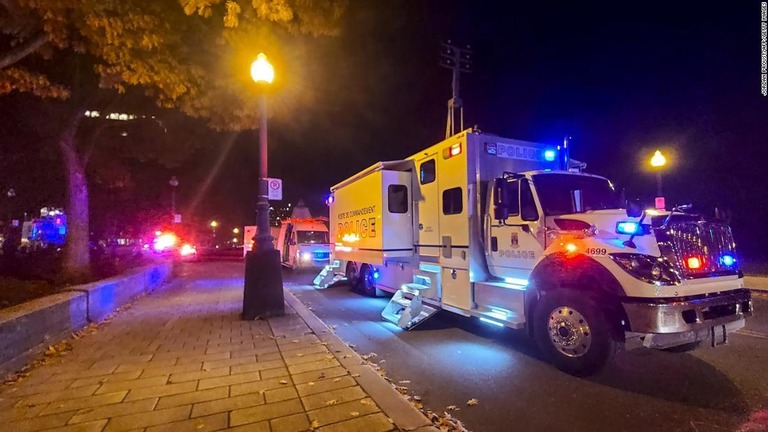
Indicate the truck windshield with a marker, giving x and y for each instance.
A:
(568, 193)
(320, 237)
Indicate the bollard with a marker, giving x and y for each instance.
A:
(263, 291)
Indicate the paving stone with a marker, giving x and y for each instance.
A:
(371, 423)
(258, 386)
(265, 412)
(61, 395)
(325, 385)
(13, 413)
(341, 411)
(114, 410)
(292, 423)
(274, 373)
(319, 375)
(313, 366)
(119, 360)
(94, 426)
(159, 391)
(280, 394)
(291, 360)
(145, 365)
(146, 419)
(109, 387)
(170, 370)
(192, 397)
(207, 423)
(39, 423)
(342, 395)
(250, 361)
(100, 379)
(203, 358)
(228, 380)
(228, 404)
(252, 427)
(263, 357)
(26, 390)
(198, 375)
(85, 402)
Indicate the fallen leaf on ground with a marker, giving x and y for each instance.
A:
(331, 402)
(315, 424)
(452, 408)
(337, 380)
(355, 375)
(405, 381)
(295, 341)
(472, 402)
(283, 382)
(311, 383)
(365, 401)
(354, 413)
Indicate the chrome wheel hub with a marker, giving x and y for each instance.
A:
(569, 331)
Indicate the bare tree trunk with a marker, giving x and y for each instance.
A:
(77, 262)
(28, 47)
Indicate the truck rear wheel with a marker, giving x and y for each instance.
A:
(367, 284)
(351, 275)
(573, 333)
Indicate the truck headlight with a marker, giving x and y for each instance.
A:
(306, 256)
(647, 268)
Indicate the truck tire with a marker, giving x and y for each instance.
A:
(573, 333)
(351, 275)
(367, 284)
(684, 348)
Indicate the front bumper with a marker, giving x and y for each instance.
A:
(692, 314)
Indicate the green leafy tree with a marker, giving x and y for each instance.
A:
(191, 55)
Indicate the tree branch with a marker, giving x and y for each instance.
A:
(28, 47)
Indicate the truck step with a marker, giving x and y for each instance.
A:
(407, 313)
(327, 276)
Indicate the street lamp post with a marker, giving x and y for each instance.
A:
(174, 183)
(263, 290)
(658, 161)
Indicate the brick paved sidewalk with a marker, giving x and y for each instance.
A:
(181, 359)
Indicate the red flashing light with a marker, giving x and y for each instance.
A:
(570, 248)
(694, 263)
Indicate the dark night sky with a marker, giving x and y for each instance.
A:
(622, 78)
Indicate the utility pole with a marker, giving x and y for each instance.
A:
(458, 60)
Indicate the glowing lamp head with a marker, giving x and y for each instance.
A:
(306, 256)
(570, 247)
(165, 241)
(694, 263)
(550, 155)
(376, 274)
(214, 224)
(262, 70)
(658, 160)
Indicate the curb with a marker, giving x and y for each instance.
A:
(756, 283)
(404, 415)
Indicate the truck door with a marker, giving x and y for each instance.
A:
(514, 245)
(287, 235)
(428, 241)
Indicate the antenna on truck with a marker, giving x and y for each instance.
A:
(458, 60)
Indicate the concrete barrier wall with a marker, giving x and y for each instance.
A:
(26, 330)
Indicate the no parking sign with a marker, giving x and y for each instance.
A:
(275, 188)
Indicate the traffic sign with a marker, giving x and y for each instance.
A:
(275, 187)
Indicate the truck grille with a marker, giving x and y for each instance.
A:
(707, 241)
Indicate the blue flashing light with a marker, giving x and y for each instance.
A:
(629, 228)
(329, 200)
(728, 260)
(550, 155)
(376, 274)
(492, 322)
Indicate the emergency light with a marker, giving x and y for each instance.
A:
(728, 260)
(629, 228)
(550, 155)
(694, 263)
(452, 151)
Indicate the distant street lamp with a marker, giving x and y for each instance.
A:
(263, 288)
(236, 231)
(658, 161)
(174, 183)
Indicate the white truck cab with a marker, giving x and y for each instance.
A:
(513, 233)
(304, 243)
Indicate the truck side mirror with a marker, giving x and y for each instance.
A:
(634, 208)
(500, 206)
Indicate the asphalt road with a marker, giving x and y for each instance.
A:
(450, 359)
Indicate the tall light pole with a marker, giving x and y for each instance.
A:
(174, 182)
(263, 286)
(263, 74)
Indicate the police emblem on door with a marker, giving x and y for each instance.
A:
(514, 241)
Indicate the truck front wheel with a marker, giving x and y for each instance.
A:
(573, 333)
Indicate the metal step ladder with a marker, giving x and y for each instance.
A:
(328, 276)
(406, 308)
